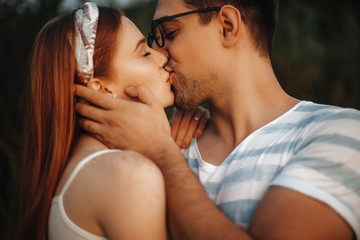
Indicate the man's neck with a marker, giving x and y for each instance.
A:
(254, 99)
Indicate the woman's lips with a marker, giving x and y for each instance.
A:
(170, 80)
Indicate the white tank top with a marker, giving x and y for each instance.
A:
(60, 225)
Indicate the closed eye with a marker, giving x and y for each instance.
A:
(147, 54)
(170, 35)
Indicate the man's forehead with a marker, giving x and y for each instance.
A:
(169, 7)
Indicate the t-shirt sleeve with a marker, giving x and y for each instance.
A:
(326, 164)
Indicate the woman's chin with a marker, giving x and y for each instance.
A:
(168, 102)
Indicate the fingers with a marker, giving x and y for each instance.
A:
(90, 112)
(190, 132)
(188, 124)
(143, 93)
(175, 122)
(97, 130)
(95, 97)
(104, 141)
(202, 124)
(94, 128)
(187, 127)
(182, 128)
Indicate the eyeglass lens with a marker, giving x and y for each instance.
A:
(157, 36)
(156, 33)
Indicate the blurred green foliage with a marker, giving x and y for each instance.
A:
(316, 57)
(317, 51)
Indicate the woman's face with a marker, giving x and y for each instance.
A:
(134, 63)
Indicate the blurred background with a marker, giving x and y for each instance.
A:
(316, 57)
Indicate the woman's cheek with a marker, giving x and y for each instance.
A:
(142, 71)
(147, 73)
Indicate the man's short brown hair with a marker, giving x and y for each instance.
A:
(260, 16)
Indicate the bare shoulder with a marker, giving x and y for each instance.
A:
(129, 185)
(124, 163)
(122, 172)
(117, 187)
(111, 174)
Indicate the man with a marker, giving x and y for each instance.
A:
(270, 166)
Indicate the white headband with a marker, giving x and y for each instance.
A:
(86, 19)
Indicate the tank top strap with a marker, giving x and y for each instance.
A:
(81, 165)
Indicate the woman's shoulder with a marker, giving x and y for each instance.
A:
(110, 187)
(123, 161)
(92, 150)
(96, 158)
(106, 176)
(114, 170)
(101, 170)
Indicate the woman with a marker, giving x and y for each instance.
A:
(73, 186)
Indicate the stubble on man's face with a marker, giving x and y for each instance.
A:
(192, 91)
(186, 92)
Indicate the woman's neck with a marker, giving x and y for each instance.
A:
(86, 145)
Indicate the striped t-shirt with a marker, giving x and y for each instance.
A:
(313, 149)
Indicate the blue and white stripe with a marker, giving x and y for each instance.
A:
(312, 148)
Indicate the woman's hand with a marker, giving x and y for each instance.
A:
(189, 124)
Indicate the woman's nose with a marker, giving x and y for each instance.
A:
(162, 50)
(162, 59)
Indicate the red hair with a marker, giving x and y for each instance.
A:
(51, 130)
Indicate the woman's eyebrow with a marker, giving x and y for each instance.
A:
(141, 41)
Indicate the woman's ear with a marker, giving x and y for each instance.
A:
(230, 20)
(98, 85)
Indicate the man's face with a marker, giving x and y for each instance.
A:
(190, 47)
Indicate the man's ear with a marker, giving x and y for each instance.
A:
(230, 20)
(98, 85)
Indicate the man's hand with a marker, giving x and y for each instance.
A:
(140, 126)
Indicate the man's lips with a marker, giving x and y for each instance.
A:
(168, 77)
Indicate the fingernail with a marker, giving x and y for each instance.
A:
(74, 89)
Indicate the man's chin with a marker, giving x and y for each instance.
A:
(181, 101)
(183, 106)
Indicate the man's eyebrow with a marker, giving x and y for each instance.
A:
(165, 19)
(141, 41)
(172, 20)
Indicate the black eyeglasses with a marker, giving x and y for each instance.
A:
(156, 33)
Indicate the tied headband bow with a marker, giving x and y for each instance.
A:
(86, 19)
